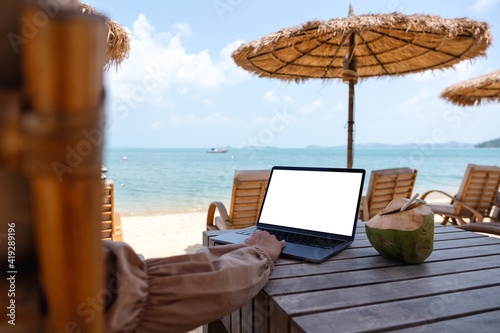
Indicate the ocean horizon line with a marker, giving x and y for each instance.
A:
(448, 145)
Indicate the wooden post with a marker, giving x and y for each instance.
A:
(350, 121)
(15, 207)
(350, 127)
(63, 66)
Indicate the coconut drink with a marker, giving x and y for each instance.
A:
(403, 231)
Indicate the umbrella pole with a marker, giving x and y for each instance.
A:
(350, 124)
(352, 69)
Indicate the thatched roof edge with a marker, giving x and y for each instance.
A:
(118, 38)
(448, 27)
(456, 93)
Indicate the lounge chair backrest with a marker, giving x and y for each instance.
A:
(387, 184)
(107, 210)
(479, 189)
(249, 187)
(111, 228)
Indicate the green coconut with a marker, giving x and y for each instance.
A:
(406, 236)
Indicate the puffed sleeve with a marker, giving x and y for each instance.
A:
(176, 294)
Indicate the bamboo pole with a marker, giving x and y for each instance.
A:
(63, 65)
(15, 208)
(350, 121)
(350, 127)
(11, 28)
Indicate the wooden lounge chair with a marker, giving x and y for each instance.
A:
(495, 212)
(475, 198)
(111, 223)
(384, 186)
(249, 187)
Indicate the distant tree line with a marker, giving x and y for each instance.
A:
(489, 144)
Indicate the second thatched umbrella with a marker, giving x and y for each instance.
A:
(481, 89)
(359, 47)
(118, 38)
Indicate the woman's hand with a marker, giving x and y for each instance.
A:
(267, 243)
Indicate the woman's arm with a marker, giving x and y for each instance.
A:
(179, 293)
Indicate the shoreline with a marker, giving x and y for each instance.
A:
(161, 208)
(203, 210)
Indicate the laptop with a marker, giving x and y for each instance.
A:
(314, 209)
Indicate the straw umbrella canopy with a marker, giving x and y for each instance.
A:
(363, 46)
(481, 89)
(118, 38)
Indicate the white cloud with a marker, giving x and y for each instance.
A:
(216, 120)
(334, 111)
(460, 72)
(483, 5)
(419, 105)
(183, 28)
(198, 69)
(417, 99)
(311, 107)
(234, 74)
(261, 120)
(159, 61)
(143, 30)
(159, 124)
(208, 102)
(271, 96)
(182, 119)
(213, 119)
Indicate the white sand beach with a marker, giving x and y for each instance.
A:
(164, 235)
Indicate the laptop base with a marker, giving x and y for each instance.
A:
(291, 250)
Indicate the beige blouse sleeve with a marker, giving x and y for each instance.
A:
(176, 294)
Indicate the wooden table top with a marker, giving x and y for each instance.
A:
(457, 288)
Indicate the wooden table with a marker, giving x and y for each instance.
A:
(456, 289)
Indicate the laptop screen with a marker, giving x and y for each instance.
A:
(317, 199)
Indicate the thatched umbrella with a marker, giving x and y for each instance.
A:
(118, 38)
(359, 47)
(481, 89)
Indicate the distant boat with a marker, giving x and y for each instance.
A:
(217, 150)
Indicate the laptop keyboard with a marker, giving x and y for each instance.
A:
(297, 238)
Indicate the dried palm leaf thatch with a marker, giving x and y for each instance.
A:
(118, 39)
(384, 44)
(481, 89)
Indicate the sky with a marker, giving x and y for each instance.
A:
(181, 89)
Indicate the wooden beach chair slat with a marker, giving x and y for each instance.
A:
(248, 191)
(108, 213)
(385, 185)
(475, 198)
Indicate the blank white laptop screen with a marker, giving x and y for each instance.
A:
(323, 201)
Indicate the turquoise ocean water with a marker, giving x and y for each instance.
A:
(159, 181)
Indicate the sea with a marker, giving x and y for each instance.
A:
(187, 180)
